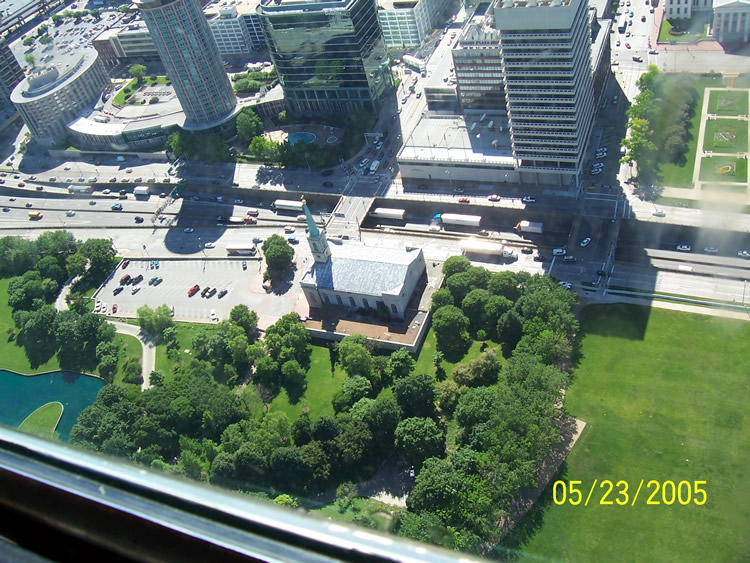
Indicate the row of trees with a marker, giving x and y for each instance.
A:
(209, 148)
(252, 82)
(659, 122)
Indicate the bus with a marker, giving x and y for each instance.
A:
(414, 62)
(80, 189)
(288, 205)
(242, 250)
(622, 25)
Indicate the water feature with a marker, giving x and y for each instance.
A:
(20, 395)
(301, 137)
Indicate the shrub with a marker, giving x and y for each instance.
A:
(153, 100)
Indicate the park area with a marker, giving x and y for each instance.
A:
(685, 30)
(723, 169)
(728, 102)
(664, 395)
(725, 136)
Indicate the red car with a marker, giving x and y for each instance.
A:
(125, 264)
(464, 200)
(21, 184)
(114, 308)
(627, 45)
(193, 290)
(251, 220)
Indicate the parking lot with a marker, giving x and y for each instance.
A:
(178, 276)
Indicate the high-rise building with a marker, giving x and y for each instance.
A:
(10, 71)
(546, 53)
(330, 56)
(407, 23)
(191, 58)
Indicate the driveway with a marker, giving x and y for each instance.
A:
(149, 350)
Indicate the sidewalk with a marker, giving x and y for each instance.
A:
(148, 360)
(656, 301)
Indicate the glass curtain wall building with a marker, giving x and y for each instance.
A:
(192, 61)
(330, 55)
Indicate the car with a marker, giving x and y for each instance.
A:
(627, 45)
(124, 181)
(566, 285)
(212, 315)
(117, 290)
(711, 250)
(528, 199)
(617, 44)
(659, 213)
(411, 472)
(6, 209)
(97, 306)
(239, 201)
(464, 200)
(637, 59)
(32, 178)
(596, 171)
(137, 279)
(152, 281)
(116, 207)
(527, 250)
(138, 219)
(684, 248)
(288, 229)
(559, 252)
(205, 290)
(70, 213)
(484, 233)
(252, 212)
(67, 167)
(219, 224)
(195, 198)
(569, 258)
(651, 11)
(459, 190)
(251, 220)
(92, 202)
(653, 52)
(244, 265)
(631, 13)
(615, 98)
(106, 191)
(601, 273)
(643, 18)
(210, 293)
(11, 199)
(327, 172)
(363, 162)
(21, 184)
(128, 170)
(292, 240)
(188, 230)
(17, 176)
(219, 199)
(600, 155)
(222, 293)
(585, 242)
(114, 308)
(327, 184)
(494, 197)
(135, 290)
(125, 264)
(193, 290)
(743, 253)
(597, 165)
(29, 204)
(210, 245)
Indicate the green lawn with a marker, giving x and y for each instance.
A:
(725, 135)
(429, 346)
(665, 397)
(383, 514)
(322, 385)
(728, 102)
(185, 334)
(43, 421)
(120, 97)
(697, 26)
(677, 176)
(132, 348)
(735, 169)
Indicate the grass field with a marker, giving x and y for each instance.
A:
(322, 385)
(185, 334)
(383, 514)
(665, 397)
(697, 26)
(711, 165)
(728, 103)
(725, 135)
(120, 97)
(429, 346)
(43, 421)
(677, 176)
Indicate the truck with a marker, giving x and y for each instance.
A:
(288, 205)
(476, 246)
(240, 220)
(414, 62)
(457, 219)
(80, 189)
(141, 191)
(388, 213)
(35, 215)
(529, 227)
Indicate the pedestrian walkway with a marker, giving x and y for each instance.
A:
(148, 358)
(651, 300)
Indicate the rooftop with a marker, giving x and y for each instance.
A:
(531, 3)
(370, 271)
(242, 6)
(397, 4)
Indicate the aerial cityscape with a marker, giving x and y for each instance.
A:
(471, 274)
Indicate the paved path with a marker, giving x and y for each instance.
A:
(60, 303)
(148, 360)
(716, 311)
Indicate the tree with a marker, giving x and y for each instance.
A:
(293, 378)
(400, 364)
(346, 492)
(353, 443)
(286, 500)
(249, 125)
(287, 469)
(176, 144)
(243, 317)
(325, 428)
(451, 329)
(415, 394)
(455, 264)
(287, 339)
(278, 254)
(426, 527)
(138, 72)
(480, 371)
(354, 358)
(418, 439)
(473, 306)
(316, 463)
(440, 298)
(156, 322)
(353, 389)
(448, 392)
(264, 149)
(302, 430)
(509, 331)
(28, 41)
(475, 406)
(153, 100)
(267, 374)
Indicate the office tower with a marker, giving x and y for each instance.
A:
(192, 61)
(330, 56)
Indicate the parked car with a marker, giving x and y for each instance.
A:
(566, 285)
(114, 308)
(193, 290)
(684, 247)
(464, 200)
(209, 245)
(135, 290)
(125, 280)
(117, 290)
(559, 252)
(222, 293)
(528, 199)
(138, 219)
(659, 213)
(125, 264)
(137, 279)
(711, 250)
(585, 242)
(292, 240)
(569, 258)
(494, 197)
(244, 265)
(527, 250)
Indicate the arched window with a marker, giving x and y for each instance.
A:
(338, 300)
(394, 309)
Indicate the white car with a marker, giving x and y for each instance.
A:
(585, 242)
(363, 162)
(566, 285)
(559, 252)
(97, 306)
(113, 180)
(597, 165)
(528, 199)
(659, 213)
(596, 171)
(494, 197)
(212, 315)
(70, 213)
(135, 290)
(288, 229)
(128, 170)
(106, 191)
(66, 168)
(138, 179)
(209, 245)
(239, 201)
(711, 250)
(188, 230)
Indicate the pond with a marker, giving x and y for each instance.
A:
(20, 395)
(301, 137)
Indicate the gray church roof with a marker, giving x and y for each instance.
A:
(364, 270)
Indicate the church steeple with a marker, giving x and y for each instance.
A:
(316, 238)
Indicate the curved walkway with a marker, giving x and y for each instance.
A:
(148, 360)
